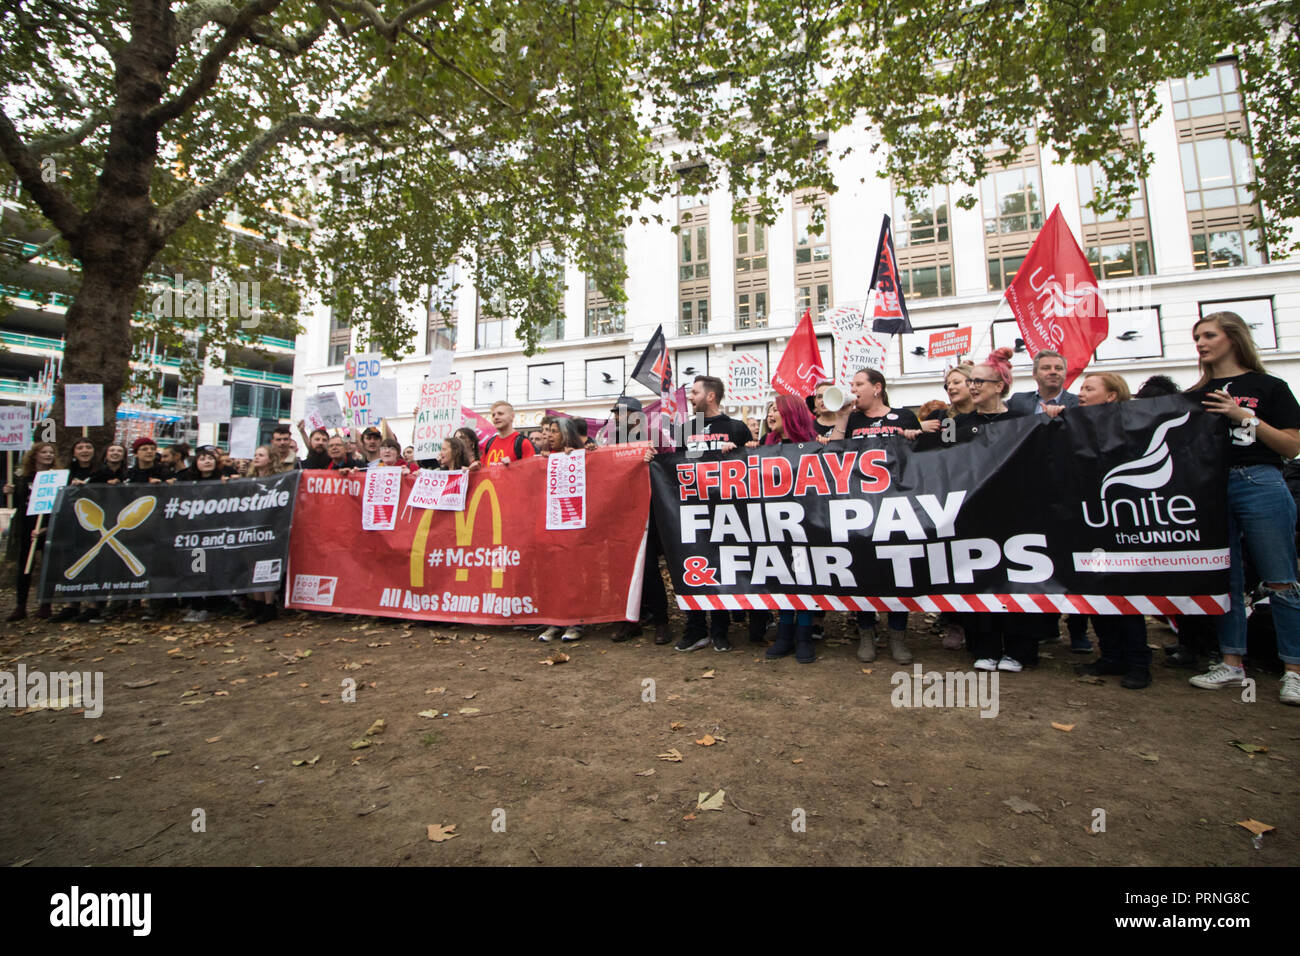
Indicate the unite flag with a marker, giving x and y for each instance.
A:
(1055, 299)
(890, 313)
(800, 368)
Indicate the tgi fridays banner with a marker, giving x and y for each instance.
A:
(491, 563)
(1115, 509)
(191, 539)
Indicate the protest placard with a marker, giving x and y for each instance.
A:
(359, 373)
(46, 486)
(383, 401)
(15, 428)
(950, 342)
(864, 350)
(566, 491)
(214, 404)
(437, 417)
(83, 405)
(746, 379)
(324, 405)
(379, 500)
(439, 490)
(243, 437)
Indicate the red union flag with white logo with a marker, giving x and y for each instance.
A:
(800, 368)
(1055, 300)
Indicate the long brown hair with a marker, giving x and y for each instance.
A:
(28, 466)
(1243, 344)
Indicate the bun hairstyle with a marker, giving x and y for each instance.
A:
(1000, 361)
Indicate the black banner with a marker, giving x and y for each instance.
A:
(1113, 509)
(187, 539)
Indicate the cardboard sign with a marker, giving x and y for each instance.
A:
(243, 437)
(439, 364)
(15, 428)
(566, 491)
(359, 374)
(383, 403)
(83, 405)
(439, 490)
(379, 500)
(214, 404)
(746, 380)
(846, 322)
(949, 342)
(325, 407)
(45, 490)
(437, 417)
(864, 350)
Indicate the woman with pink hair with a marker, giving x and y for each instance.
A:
(793, 421)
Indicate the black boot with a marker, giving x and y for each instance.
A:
(758, 622)
(803, 644)
(784, 645)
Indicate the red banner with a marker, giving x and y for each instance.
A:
(950, 342)
(1055, 299)
(493, 563)
(800, 368)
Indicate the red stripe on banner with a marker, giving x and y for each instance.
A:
(1122, 604)
(1207, 604)
(769, 600)
(912, 605)
(1045, 603)
(943, 604)
(1163, 604)
(1083, 606)
(974, 601)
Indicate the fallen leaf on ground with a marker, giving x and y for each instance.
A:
(304, 685)
(471, 695)
(481, 767)
(1255, 827)
(307, 763)
(689, 816)
(359, 745)
(98, 739)
(867, 670)
(1148, 755)
(436, 690)
(137, 684)
(376, 728)
(644, 773)
(879, 783)
(212, 740)
(221, 693)
(468, 710)
(1021, 806)
(674, 697)
(427, 713)
(676, 725)
(189, 693)
(797, 760)
(707, 802)
(706, 741)
(160, 753)
(707, 675)
(672, 756)
(441, 834)
(559, 657)
(1066, 727)
(1250, 748)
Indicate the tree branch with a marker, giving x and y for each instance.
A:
(100, 37)
(53, 201)
(384, 27)
(72, 137)
(180, 209)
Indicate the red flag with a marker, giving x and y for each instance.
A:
(800, 368)
(1055, 299)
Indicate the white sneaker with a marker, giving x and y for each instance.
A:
(1010, 664)
(550, 634)
(191, 617)
(1220, 675)
(986, 664)
(573, 633)
(1290, 693)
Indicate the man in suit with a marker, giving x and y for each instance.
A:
(1049, 374)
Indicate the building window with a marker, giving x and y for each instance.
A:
(923, 242)
(338, 352)
(750, 238)
(812, 255)
(693, 263)
(340, 342)
(545, 261)
(1217, 169)
(604, 317)
(1116, 248)
(440, 314)
(490, 322)
(1013, 213)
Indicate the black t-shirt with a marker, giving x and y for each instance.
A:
(928, 441)
(823, 429)
(1270, 400)
(140, 476)
(77, 472)
(108, 473)
(969, 424)
(716, 430)
(889, 425)
(193, 474)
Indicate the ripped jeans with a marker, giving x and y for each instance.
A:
(1262, 514)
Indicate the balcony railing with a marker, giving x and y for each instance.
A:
(257, 376)
(23, 340)
(266, 340)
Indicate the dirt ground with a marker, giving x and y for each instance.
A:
(554, 764)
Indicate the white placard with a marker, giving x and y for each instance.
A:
(746, 380)
(440, 364)
(325, 405)
(566, 491)
(862, 351)
(439, 490)
(214, 404)
(45, 490)
(83, 405)
(359, 373)
(379, 500)
(846, 322)
(383, 403)
(243, 437)
(437, 417)
(15, 428)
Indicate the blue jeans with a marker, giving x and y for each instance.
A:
(796, 618)
(1261, 512)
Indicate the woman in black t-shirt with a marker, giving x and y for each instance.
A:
(1265, 429)
(873, 418)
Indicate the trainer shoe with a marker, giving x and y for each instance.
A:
(722, 643)
(688, 643)
(866, 645)
(200, 616)
(189, 617)
(573, 633)
(1010, 664)
(898, 649)
(986, 664)
(1220, 675)
(550, 634)
(1290, 693)
(1136, 678)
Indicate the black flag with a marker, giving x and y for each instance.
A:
(890, 313)
(654, 369)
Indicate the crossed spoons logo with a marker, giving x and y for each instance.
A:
(91, 517)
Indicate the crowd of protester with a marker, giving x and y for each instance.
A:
(1264, 423)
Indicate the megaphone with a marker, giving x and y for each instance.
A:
(833, 398)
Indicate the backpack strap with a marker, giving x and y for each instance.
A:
(519, 446)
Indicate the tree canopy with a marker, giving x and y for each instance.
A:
(363, 147)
